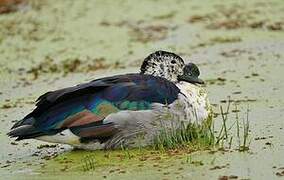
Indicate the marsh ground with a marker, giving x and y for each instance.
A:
(238, 45)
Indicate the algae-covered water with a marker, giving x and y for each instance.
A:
(238, 46)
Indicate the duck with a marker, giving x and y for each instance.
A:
(126, 110)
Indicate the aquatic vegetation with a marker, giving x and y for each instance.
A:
(49, 65)
(244, 143)
(190, 135)
(88, 163)
(229, 57)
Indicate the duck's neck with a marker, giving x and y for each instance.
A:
(188, 88)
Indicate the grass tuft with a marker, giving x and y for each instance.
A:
(203, 137)
(188, 135)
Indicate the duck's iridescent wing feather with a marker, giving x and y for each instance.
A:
(83, 108)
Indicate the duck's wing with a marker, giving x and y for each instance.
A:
(84, 107)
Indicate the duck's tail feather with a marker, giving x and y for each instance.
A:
(25, 129)
(25, 132)
(25, 121)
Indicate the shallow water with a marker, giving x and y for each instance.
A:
(248, 62)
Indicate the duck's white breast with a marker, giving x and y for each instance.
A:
(197, 103)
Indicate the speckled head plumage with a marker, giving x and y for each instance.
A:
(163, 64)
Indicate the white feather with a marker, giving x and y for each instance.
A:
(196, 102)
(64, 137)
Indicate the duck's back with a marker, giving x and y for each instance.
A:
(82, 109)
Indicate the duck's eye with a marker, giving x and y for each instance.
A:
(173, 61)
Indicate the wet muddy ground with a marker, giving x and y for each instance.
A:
(238, 46)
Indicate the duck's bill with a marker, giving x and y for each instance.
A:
(190, 79)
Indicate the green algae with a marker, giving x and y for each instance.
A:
(76, 34)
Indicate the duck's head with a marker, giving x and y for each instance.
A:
(190, 74)
(163, 64)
